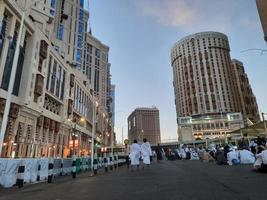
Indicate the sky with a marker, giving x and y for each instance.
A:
(141, 33)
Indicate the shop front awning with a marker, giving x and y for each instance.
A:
(252, 130)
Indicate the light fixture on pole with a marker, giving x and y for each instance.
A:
(95, 105)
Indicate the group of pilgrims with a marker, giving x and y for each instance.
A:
(139, 154)
(253, 153)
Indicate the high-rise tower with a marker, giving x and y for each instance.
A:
(203, 80)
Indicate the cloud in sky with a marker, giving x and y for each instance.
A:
(190, 15)
(168, 12)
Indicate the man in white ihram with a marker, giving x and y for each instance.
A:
(146, 152)
(135, 151)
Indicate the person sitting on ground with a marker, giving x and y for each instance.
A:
(219, 157)
(183, 153)
(207, 157)
(261, 142)
(226, 150)
(212, 150)
(201, 153)
(193, 154)
(246, 156)
(261, 162)
(188, 154)
(253, 146)
(232, 157)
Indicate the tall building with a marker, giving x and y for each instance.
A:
(244, 94)
(203, 80)
(262, 9)
(52, 103)
(144, 123)
(70, 28)
(97, 69)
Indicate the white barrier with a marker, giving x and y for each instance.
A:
(57, 167)
(8, 172)
(44, 168)
(9, 169)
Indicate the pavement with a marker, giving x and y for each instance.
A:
(168, 180)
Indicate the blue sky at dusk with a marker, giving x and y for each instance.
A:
(140, 34)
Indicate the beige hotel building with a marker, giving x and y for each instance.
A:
(56, 85)
(212, 92)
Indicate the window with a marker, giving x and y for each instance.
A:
(48, 72)
(53, 3)
(79, 56)
(82, 3)
(97, 53)
(58, 80)
(3, 26)
(52, 86)
(80, 27)
(9, 60)
(60, 32)
(53, 7)
(19, 67)
(80, 41)
(81, 15)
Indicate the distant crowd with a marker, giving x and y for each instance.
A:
(254, 153)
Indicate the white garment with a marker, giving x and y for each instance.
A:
(263, 156)
(183, 153)
(146, 153)
(194, 155)
(230, 156)
(135, 154)
(246, 157)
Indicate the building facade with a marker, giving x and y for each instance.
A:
(244, 94)
(53, 101)
(144, 123)
(262, 9)
(203, 80)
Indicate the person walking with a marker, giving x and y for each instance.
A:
(146, 152)
(159, 153)
(135, 151)
(127, 153)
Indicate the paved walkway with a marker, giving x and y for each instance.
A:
(169, 180)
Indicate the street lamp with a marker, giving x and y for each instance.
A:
(95, 105)
(142, 134)
(12, 75)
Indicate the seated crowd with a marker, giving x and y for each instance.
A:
(254, 153)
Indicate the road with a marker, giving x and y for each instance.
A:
(169, 180)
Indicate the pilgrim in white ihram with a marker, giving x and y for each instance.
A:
(146, 152)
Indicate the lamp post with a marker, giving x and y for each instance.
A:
(95, 105)
(142, 135)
